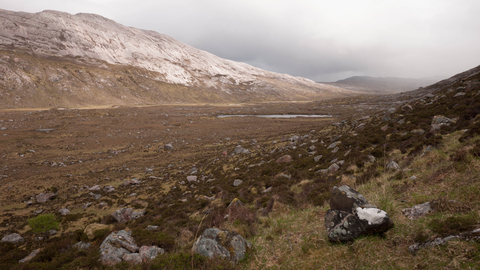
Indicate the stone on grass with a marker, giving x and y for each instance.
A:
(228, 244)
(64, 211)
(43, 197)
(393, 166)
(240, 150)
(82, 245)
(150, 252)
(168, 146)
(284, 159)
(13, 238)
(351, 215)
(235, 203)
(152, 228)
(317, 158)
(333, 168)
(30, 256)
(237, 182)
(440, 120)
(417, 211)
(192, 178)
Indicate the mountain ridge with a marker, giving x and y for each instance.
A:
(92, 38)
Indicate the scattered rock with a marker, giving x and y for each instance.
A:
(284, 159)
(333, 145)
(240, 150)
(152, 228)
(235, 203)
(417, 211)
(94, 188)
(125, 214)
(168, 147)
(115, 246)
(29, 203)
(64, 211)
(13, 238)
(224, 243)
(311, 148)
(150, 252)
(43, 197)
(460, 94)
(85, 206)
(317, 158)
(440, 120)
(351, 215)
(30, 256)
(418, 131)
(108, 189)
(237, 182)
(393, 166)
(267, 190)
(192, 178)
(333, 168)
(82, 245)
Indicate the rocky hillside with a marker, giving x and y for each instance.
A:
(258, 201)
(382, 85)
(52, 58)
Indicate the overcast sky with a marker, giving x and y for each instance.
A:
(323, 40)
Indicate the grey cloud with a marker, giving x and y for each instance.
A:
(320, 40)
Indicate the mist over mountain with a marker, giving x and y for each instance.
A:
(383, 85)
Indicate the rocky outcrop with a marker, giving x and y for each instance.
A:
(351, 215)
(118, 247)
(125, 214)
(13, 238)
(228, 244)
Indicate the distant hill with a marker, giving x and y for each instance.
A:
(382, 85)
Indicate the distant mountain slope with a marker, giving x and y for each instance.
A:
(54, 58)
(382, 85)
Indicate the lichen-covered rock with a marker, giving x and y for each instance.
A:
(115, 246)
(30, 256)
(351, 216)
(132, 258)
(125, 214)
(224, 243)
(14, 238)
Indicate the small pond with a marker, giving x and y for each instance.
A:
(275, 115)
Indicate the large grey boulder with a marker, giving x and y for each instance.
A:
(115, 246)
(351, 215)
(14, 238)
(228, 244)
(125, 214)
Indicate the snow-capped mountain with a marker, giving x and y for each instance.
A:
(148, 59)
